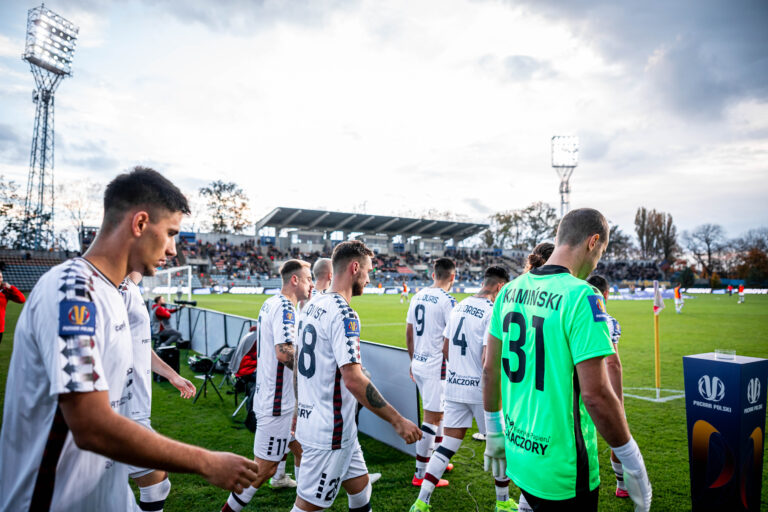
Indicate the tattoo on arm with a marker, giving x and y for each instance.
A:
(287, 350)
(374, 397)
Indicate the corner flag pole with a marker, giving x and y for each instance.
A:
(658, 305)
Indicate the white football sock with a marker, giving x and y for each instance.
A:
(236, 502)
(436, 467)
(424, 448)
(153, 496)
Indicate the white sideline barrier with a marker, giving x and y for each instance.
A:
(209, 330)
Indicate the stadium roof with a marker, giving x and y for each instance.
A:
(321, 220)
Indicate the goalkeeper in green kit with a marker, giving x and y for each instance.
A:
(546, 393)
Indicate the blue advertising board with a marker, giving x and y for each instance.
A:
(725, 403)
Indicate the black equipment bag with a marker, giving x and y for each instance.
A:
(170, 355)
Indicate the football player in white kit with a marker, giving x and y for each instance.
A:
(275, 396)
(154, 485)
(464, 347)
(331, 382)
(62, 424)
(428, 315)
(323, 271)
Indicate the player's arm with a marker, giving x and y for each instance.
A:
(492, 374)
(162, 368)
(13, 293)
(366, 393)
(286, 354)
(446, 347)
(96, 427)
(409, 339)
(613, 367)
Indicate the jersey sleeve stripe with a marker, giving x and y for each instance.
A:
(338, 419)
(582, 458)
(442, 370)
(278, 401)
(46, 475)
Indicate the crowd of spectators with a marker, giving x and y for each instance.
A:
(617, 271)
(245, 261)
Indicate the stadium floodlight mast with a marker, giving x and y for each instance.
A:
(49, 47)
(565, 158)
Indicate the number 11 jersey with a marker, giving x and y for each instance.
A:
(329, 338)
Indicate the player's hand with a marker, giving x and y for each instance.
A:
(293, 423)
(229, 471)
(639, 488)
(494, 458)
(410, 372)
(408, 430)
(186, 388)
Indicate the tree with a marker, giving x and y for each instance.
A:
(619, 244)
(643, 232)
(522, 228)
(228, 206)
(81, 200)
(752, 239)
(11, 213)
(753, 267)
(656, 234)
(706, 243)
(687, 279)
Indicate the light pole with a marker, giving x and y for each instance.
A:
(49, 48)
(565, 158)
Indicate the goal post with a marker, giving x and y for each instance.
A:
(174, 283)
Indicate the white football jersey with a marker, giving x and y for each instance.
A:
(428, 312)
(139, 386)
(72, 336)
(614, 329)
(466, 332)
(329, 338)
(274, 381)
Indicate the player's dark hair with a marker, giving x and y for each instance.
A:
(348, 251)
(290, 267)
(144, 187)
(495, 274)
(540, 255)
(598, 282)
(443, 267)
(578, 225)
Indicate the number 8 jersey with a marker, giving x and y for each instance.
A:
(328, 338)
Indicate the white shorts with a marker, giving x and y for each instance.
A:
(136, 471)
(678, 302)
(459, 415)
(273, 433)
(323, 471)
(432, 393)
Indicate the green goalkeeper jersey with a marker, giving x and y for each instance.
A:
(548, 321)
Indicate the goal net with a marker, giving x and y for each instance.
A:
(175, 283)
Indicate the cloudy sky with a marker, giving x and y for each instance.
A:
(410, 105)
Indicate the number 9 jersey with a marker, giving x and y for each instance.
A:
(328, 338)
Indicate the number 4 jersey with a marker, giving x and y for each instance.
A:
(466, 332)
(549, 321)
(329, 338)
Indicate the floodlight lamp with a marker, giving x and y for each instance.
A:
(50, 41)
(565, 151)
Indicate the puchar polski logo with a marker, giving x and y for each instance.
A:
(711, 388)
(753, 390)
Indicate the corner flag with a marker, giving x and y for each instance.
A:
(658, 305)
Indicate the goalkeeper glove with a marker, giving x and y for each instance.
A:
(635, 475)
(494, 457)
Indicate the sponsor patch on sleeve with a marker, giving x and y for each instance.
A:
(76, 317)
(289, 317)
(351, 327)
(599, 313)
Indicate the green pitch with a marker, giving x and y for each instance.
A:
(707, 323)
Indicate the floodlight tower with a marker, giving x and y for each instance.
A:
(49, 47)
(565, 158)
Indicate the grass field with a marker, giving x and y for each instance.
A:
(708, 323)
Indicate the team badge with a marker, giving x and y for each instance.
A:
(76, 317)
(351, 327)
(289, 318)
(599, 314)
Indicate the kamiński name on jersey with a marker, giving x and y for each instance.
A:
(548, 322)
(72, 336)
(428, 312)
(466, 332)
(274, 381)
(328, 339)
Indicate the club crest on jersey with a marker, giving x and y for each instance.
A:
(351, 327)
(76, 317)
(599, 314)
(289, 317)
